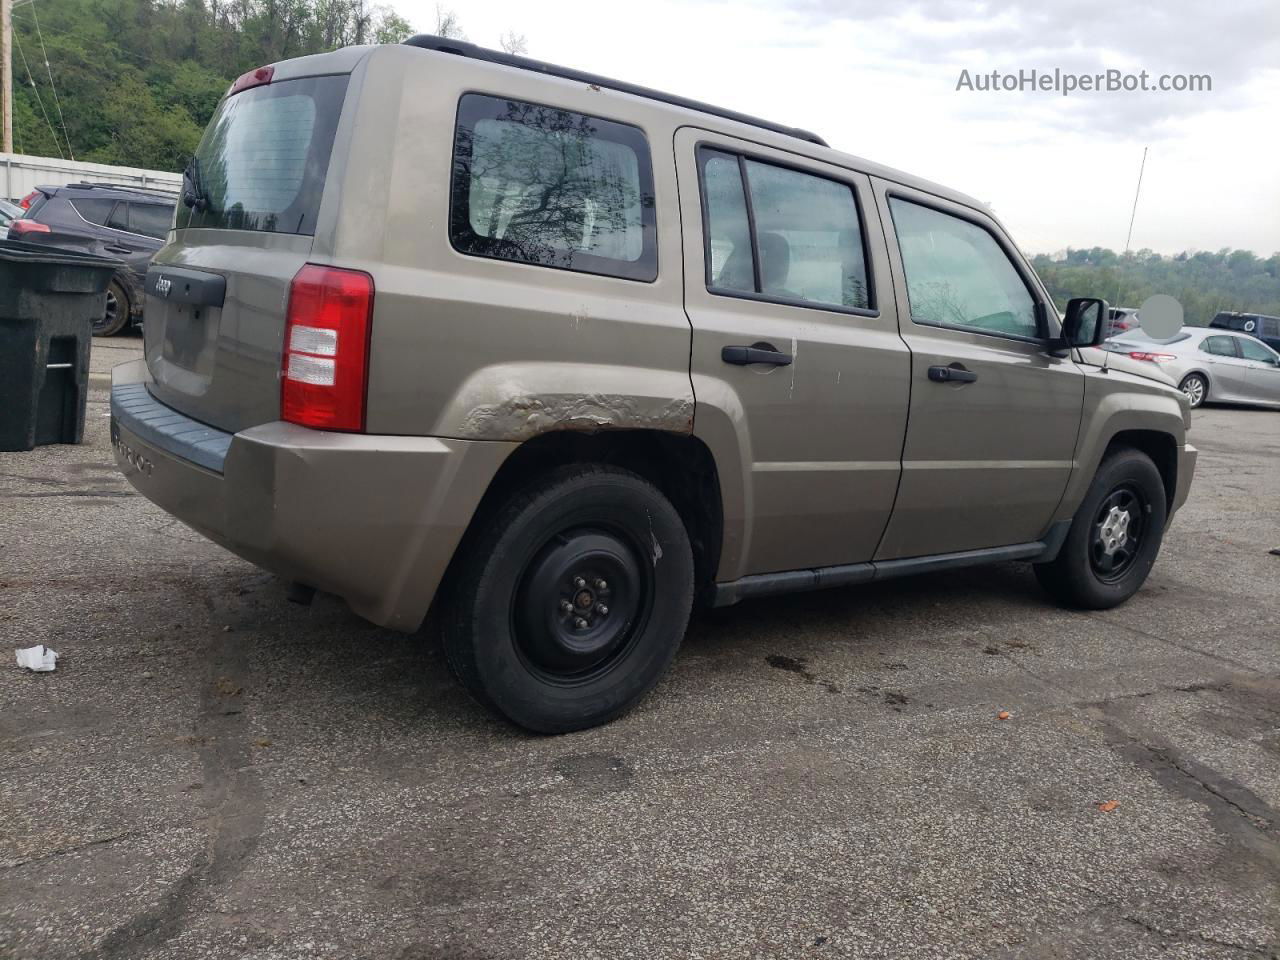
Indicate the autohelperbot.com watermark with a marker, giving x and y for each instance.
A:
(1065, 82)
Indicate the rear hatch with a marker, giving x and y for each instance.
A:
(217, 293)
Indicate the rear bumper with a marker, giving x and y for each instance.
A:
(1186, 473)
(373, 519)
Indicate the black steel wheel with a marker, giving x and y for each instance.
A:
(583, 600)
(567, 602)
(1115, 535)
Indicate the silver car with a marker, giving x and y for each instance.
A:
(1209, 364)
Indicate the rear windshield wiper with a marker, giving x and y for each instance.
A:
(194, 194)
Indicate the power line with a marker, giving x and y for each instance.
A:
(1129, 236)
(52, 86)
(1136, 192)
(18, 40)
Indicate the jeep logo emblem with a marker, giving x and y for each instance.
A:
(162, 286)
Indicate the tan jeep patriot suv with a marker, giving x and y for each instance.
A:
(563, 355)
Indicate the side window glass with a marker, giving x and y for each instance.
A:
(545, 186)
(730, 263)
(957, 275)
(95, 211)
(1269, 327)
(1254, 350)
(799, 239)
(1219, 346)
(809, 237)
(150, 219)
(119, 219)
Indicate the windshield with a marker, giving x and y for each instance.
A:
(263, 158)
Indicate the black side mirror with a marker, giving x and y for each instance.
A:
(1085, 323)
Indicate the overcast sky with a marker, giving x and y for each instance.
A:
(878, 79)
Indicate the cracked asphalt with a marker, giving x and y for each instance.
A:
(213, 772)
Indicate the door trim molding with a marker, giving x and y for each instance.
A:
(820, 578)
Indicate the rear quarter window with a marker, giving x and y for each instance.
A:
(93, 209)
(150, 219)
(540, 185)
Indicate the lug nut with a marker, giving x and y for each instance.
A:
(601, 585)
(580, 624)
(579, 582)
(602, 609)
(565, 606)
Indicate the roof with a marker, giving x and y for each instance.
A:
(806, 139)
(460, 48)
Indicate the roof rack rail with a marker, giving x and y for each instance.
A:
(461, 48)
(106, 185)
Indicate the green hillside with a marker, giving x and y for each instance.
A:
(1203, 282)
(135, 81)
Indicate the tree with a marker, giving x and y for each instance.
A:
(448, 25)
(1203, 282)
(513, 43)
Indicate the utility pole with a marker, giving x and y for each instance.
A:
(6, 75)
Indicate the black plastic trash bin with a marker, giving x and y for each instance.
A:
(48, 299)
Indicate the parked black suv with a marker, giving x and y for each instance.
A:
(1265, 328)
(125, 223)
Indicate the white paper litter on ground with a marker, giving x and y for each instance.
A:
(38, 658)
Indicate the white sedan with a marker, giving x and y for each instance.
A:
(1209, 364)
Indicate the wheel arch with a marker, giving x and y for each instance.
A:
(1161, 447)
(681, 466)
(1127, 412)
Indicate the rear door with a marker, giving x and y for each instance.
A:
(1222, 356)
(214, 330)
(993, 421)
(795, 344)
(1262, 370)
(125, 238)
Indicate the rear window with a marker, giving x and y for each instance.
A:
(264, 156)
(546, 186)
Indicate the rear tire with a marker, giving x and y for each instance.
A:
(569, 601)
(1196, 389)
(1114, 537)
(116, 317)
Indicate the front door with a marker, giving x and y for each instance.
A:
(796, 363)
(993, 422)
(1221, 354)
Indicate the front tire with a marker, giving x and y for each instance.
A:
(570, 600)
(116, 316)
(1114, 537)
(1196, 388)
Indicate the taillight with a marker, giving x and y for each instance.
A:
(1152, 357)
(30, 198)
(326, 348)
(254, 78)
(20, 226)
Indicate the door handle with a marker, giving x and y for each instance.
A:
(756, 353)
(115, 249)
(951, 375)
